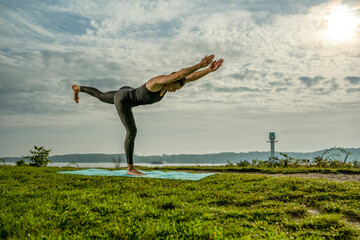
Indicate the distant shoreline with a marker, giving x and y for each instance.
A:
(212, 158)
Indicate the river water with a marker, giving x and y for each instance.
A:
(112, 165)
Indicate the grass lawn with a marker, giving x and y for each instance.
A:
(40, 203)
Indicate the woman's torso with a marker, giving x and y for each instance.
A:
(139, 96)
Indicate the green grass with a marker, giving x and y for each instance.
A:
(269, 170)
(39, 203)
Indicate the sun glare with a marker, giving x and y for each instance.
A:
(342, 23)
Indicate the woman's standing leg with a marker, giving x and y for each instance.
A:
(127, 118)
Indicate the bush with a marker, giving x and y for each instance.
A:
(243, 164)
(335, 157)
(21, 162)
(73, 164)
(117, 161)
(38, 157)
(229, 164)
(356, 164)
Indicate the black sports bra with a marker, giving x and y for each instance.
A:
(143, 96)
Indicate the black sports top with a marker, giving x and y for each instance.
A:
(143, 96)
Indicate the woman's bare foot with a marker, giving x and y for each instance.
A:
(132, 171)
(76, 89)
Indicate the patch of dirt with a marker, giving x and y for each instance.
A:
(330, 176)
(354, 222)
(348, 220)
(313, 211)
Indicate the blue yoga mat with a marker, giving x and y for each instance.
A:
(149, 174)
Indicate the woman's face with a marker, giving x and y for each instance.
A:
(173, 87)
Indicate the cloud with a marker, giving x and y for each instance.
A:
(100, 83)
(237, 89)
(352, 79)
(281, 90)
(128, 19)
(248, 74)
(268, 47)
(230, 89)
(321, 91)
(353, 90)
(276, 61)
(311, 81)
(278, 83)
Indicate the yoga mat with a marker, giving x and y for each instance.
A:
(150, 174)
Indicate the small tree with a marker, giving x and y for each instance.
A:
(3, 161)
(117, 161)
(38, 157)
(73, 163)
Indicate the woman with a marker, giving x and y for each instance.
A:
(152, 91)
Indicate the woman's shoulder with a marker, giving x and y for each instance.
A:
(152, 86)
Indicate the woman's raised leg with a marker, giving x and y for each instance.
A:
(107, 97)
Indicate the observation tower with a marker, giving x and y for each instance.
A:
(272, 144)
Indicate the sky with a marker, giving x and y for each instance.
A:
(289, 68)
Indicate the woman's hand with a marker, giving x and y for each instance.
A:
(215, 65)
(206, 60)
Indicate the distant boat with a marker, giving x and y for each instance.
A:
(157, 162)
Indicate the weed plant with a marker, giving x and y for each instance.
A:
(38, 203)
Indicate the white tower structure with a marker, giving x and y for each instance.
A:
(272, 144)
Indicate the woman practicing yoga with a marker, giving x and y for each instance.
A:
(152, 91)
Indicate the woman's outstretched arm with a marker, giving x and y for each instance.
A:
(215, 65)
(163, 79)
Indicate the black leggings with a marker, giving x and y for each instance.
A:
(124, 110)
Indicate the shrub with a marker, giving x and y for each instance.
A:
(243, 164)
(331, 157)
(229, 164)
(73, 164)
(117, 161)
(38, 157)
(356, 164)
(21, 162)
